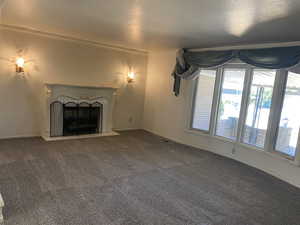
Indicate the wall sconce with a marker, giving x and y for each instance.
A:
(20, 65)
(130, 77)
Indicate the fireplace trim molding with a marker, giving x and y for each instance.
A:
(65, 93)
(65, 99)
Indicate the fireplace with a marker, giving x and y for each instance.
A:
(78, 111)
(82, 118)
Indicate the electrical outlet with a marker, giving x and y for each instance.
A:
(233, 150)
(130, 120)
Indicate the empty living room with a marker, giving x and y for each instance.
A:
(149, 112)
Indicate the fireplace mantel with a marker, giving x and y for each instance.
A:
(101, 86)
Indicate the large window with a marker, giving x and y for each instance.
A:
(230, 103)
(288, 130)
(204, 99)
(259, 105)
(252, 106)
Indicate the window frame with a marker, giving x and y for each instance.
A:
(282, 83)
(266, 146)
(274, 115)
(217, 103)
(195, 89)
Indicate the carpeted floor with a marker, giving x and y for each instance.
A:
(136, 178)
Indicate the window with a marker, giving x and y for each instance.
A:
(204, 99)
(259, 104)
(253, 106)
(288, 130)
(230, 103)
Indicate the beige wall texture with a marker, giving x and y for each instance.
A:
(168, 116)
(52, 60)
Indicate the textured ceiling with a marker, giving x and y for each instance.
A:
(152, 24)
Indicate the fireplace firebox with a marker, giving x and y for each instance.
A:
(72, 118)
(80, 119)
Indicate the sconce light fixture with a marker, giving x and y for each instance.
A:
(130, 77)
(20, 65)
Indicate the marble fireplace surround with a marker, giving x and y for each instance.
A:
(65, 93)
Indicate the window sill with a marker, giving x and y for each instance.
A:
(197, 132)
(272, 154)
(206, 134)
(224, 139)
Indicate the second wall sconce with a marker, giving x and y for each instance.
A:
(130, 77)
(20, 65)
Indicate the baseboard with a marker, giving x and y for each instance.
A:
(80, 136)
(20, 136)
(126, 129)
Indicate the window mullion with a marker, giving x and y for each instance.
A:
(216, 100)
(194, 88)
(275, 111)
(244, 104)
(297, 155)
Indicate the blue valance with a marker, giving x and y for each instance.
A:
(189, 63)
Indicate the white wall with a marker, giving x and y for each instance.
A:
(166, 115)
(60, 61)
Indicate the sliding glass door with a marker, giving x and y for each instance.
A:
(258, 107)
(230, 103)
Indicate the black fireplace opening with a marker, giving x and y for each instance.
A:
(83, 118)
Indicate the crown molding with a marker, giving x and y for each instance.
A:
(71, 38)
(248, 46)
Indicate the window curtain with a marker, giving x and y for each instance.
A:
(189, 63)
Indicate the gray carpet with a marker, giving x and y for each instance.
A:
(136, 178)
